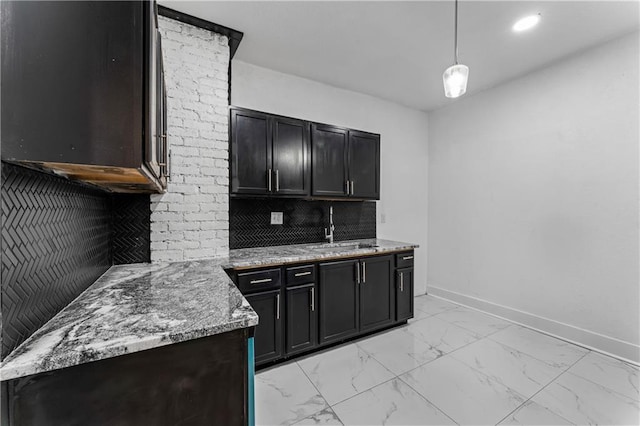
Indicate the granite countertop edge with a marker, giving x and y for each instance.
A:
(137, 307)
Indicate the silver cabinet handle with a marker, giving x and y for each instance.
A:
(364, 272)
(269, 179)
(277, 181)
(407, 258)
(313, 299)
(264, 280)
(401, 281)
(169, 165)
(302, 274)
(357, 272)
(351, 187)
(347, 187)
(278, 306)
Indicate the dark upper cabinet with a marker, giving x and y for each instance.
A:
(329, 161)
(83, 92)
(301, 331)
(250, 152)
(345, 163)
(269, 154)
(377, 292)
(364, 165)
(273, 155)
(290, 157)
(338, 300)
(404, 294)
(268, 333)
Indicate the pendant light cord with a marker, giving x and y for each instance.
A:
(455, 43)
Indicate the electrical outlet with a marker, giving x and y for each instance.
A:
(277, 218)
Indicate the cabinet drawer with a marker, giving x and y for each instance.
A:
(301, 275)
(250, 282)
(404, 260)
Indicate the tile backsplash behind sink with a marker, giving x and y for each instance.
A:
(303, 222)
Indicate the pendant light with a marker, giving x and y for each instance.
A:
(455, 77)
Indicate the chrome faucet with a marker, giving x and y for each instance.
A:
(329, 236)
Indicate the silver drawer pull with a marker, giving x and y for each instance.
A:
(278, 306)
(407, 258)
(302, 274)
(265, 280)
(401, 281)
(364, 272)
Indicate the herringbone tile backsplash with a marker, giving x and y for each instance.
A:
(58, 237)
(304, 221)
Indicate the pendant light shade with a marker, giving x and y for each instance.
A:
(455, 77)
(455, 80)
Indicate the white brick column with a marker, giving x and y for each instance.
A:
(191, 221)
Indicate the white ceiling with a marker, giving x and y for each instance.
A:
(397, 50)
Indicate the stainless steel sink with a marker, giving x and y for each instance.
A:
(346, 245)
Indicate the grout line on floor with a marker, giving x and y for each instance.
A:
(319, 393)
(425, 398)
(543, 388)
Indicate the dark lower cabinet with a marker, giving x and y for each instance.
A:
(404, 294)
(199, 382)
(324, 303)
(301, 319)
(377, 293)
(338, 300)
(268, 335)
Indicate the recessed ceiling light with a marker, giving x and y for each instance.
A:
(526, 23)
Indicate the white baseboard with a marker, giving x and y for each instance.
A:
(591, 340)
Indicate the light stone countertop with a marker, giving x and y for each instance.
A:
(142, 306)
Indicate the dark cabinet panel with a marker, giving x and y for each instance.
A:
(268, 335)
(338, 300)
(329, 161)
(269, 154)
(198, 382)
(80, 91)
(250, 153)
(301, 319)
(377, 293)
(364, 165)
(404, 294)
(290, 157)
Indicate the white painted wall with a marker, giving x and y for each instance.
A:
(533, 199)
(403, 142)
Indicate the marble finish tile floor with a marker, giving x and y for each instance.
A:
(451, 365)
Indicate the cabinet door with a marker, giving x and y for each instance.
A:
(290, 157)
(338, 300)
(301, 320)
(268, 336)
(364, 165)
(404, 294)
(250, 153)
(377, 293)
(329, 161)
(73, 86)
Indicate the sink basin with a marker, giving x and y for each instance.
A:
(346, 245)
